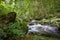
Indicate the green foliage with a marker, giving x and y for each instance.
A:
(26, 9)
(37, 37)
(2, 34)
(13, 30)
(17, 29)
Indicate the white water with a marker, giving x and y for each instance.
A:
(42, 29)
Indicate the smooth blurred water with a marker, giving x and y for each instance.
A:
(42, 29)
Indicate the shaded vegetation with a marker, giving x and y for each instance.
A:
(5, 19)
(46, 11)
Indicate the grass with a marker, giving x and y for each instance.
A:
(44, 10)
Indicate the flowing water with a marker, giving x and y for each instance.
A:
(37, 28)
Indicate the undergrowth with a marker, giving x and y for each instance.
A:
(44, 10)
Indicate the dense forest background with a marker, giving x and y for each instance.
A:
(47, 11)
